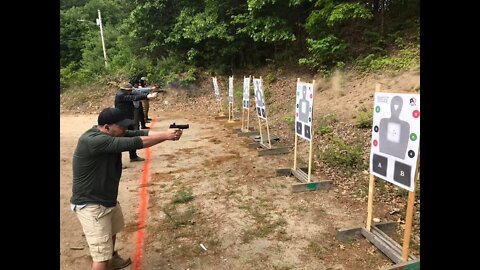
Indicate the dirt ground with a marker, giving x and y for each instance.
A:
(243, 213)
(210, 188)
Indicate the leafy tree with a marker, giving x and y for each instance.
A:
(67, 4)
(332, 27)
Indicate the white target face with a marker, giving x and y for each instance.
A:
(304, 110)
(395, 138)
(259, 99)
(246, 92)
(215, 88)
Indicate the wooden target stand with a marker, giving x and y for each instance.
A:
(376, 235)
(221, 114)
(231, 119)
(267, 149)
(304, 175)
(230, 112)
(245, 129)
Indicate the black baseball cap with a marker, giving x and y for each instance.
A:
(113, 116)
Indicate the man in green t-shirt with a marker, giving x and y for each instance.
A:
(97, 168)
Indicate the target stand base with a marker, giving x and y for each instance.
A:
(379, 238)
(267, 151)
(302, 176)
(221, 116)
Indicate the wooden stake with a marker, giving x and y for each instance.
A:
(243, 113)
(409, 216)
(311, 141)
(408, 225)
(248, 109)
(231, 107)
(310, 159)
(260, 128)
(371, 186)
(296, 136)
(248, 118)
(295, 153)
(268, 133)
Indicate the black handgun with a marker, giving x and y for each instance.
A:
(179, 126)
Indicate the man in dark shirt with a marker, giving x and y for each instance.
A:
(97, 168)
(124, 101)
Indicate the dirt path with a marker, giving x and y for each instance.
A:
(227, 198)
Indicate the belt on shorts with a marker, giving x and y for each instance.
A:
(77, 206)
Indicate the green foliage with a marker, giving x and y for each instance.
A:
(220, 35)
(325, 53)
(179, 218)
(405, 59)
(270, 78)
(324, 124)
(290, 120)
(172, 70)
(364, 119)
(325, 130)
(198, 27)
(381, 184)
(263, 29)
(79, 34)
(66, 76)
(184, 195)
(238, 92)
(72, 35)
(340, 153)
(266, 93)
(70, 76)
(348, 11)
(67, 4)
(376, 41)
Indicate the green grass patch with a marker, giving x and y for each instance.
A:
(342, 154)
(179, 218)
(184, 195)
(364, 119)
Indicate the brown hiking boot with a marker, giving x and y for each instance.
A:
(116, 262)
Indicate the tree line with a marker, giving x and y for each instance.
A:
(174, 39)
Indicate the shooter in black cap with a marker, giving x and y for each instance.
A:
(97, 168)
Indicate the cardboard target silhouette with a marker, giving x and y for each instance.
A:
(246, 105)
(261, 111)
(215, 88)
(230, 99)
(395, 138)
(218, 97)
(393, 157)
(259, 98)
(303, 110)
(246, 92)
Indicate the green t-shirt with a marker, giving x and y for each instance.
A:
(97, 165)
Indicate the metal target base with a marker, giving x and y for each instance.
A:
(379, 238)
(221, 117)
(302, 175)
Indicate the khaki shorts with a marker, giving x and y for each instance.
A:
(99, 224)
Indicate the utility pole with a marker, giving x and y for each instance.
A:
(99, 23)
